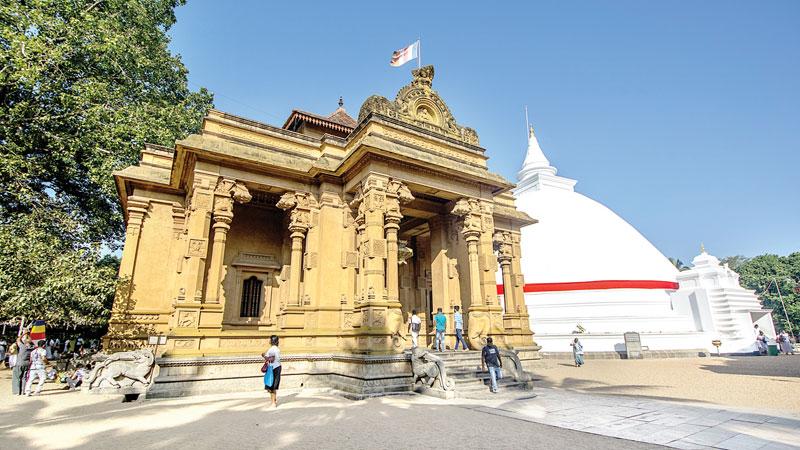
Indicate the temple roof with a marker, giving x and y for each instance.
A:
(339, 121)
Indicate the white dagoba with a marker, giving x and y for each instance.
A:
(719, 306)
(586, 269)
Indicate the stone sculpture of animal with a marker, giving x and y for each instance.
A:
(428, 367)
(122, 369)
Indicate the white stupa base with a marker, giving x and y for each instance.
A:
(683, 344)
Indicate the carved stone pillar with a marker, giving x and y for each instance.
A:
(297, 203)
(198, 227)
(396, 194)
(392, 280)
(137, 209)
(378, 200)
(504, 256)
(469, 211)
(227, 192)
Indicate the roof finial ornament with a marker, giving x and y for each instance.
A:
(341, 101)
(702, 248)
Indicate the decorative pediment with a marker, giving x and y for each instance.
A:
(418, 104)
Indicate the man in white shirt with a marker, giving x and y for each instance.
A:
(38, 361)
(414, 325)
(458, 321)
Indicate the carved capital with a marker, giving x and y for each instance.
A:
(468, 209)
(226, 193)
(503, 244)
(299, 205)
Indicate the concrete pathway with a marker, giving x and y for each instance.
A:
(684, 425)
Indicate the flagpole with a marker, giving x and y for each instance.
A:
(419, 52)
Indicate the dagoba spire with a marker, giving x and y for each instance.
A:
(535, 161)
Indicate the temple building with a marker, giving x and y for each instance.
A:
(328, 232)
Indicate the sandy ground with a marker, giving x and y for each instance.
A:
(61, 419)
(758, 383)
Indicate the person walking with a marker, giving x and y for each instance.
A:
(12, 355)
(414, 325)
(458, 322)
(273, 358)
(441, 326)
(577, 352)
(761, 342)
(38, 361)
(490, 357)
(3, 348)
(785, 343)
(23, 363)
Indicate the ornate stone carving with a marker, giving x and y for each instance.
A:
(300, 205)
(428, 368)
(123, 369)
(503, 245)
(469, 210)
(197, 247)
(479, 325)
(227, 192)
(187, 319)
(418, 104)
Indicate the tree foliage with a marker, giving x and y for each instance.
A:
(678, 264)
(765, 274)
(734, 262)
(83, 85)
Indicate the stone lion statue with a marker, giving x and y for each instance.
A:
(428, 367)
(122, 369)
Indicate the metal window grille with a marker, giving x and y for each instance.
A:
(251, 297)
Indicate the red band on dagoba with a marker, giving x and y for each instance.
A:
(592, 285)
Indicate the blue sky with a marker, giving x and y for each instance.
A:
(682, 117)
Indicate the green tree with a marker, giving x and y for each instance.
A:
(734, 262)
(765, 274)
(83, 85)
(678, 264)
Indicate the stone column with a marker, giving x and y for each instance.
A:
(227, 192)
(137, 209)
(503, 245)
(297, 203)
(396, 194)
(378, 200)
(439, 262)
(469, 211)
(198, 227)
(392, 280)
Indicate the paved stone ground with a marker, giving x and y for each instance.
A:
(595, 407)
(769, 384)
(60, 419)
(687, 425)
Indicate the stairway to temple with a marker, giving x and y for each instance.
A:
(464, 368)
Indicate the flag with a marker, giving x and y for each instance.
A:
(37, 330)
(405, 55)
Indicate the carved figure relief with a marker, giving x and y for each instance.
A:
(197, 247)
(418, 104)
(123, 369)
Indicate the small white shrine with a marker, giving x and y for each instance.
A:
(711, 294)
